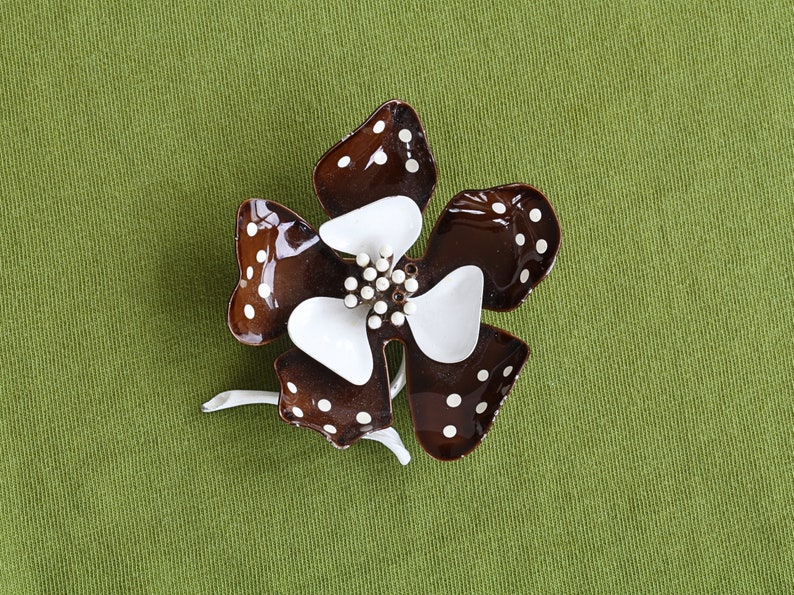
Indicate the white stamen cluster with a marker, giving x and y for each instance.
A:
(386, 291)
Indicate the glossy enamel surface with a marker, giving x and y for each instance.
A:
(282, 263)
(387, 155)
(510, 232)
(334, 335)
(446, 320)
(372, 227)
(489, 249)
(316, 398)
(453, 406)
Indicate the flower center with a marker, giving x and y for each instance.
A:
(384, 290)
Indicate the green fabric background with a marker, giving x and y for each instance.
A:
(648, 444)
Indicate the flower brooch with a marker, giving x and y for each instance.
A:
(489, 249)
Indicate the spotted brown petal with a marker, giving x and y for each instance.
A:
(282, 262)
(388, 155)
(314, 397)
(511, 232)
(453, 406)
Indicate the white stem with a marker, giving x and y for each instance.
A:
(398, 382)
(235, 398)
(389, 438)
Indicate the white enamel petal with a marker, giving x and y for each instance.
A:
(446, 324)
(334, 335)
(395, 221)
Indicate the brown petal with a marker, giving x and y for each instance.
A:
(315, 397)
(282, 262)
(388, 155)
(510, 232)
(454, 405)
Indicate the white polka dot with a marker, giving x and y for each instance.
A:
(386, 251)
(411, 285)
(449, 431)
(297, 412)
(363, 417)
(499, 208)
(324, 405)
(380, 157)
(398, 276)
(329, 428)
(405, 135)
(264, 290)
(379, 126)
(541, 246)
(397, 318)
(409, 308)
(351, 284)
(251, 228)
(374, 322)
(249, 311)
(249, 272)
(412, 166)
(482, 375)
(370, 274)
(362, 259)
(534, 215)
(351, 301)
(292, 388)
(367, 293)
(507, 371)
(524, 276)
(481, 407)
(520, 239)
(261, 255)
(382, 265)
(454, 400)
(382, 284)
(380, 307)
(343, 161)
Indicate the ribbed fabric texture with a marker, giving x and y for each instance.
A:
(648, 444)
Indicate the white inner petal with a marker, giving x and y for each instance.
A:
(446, 324)
(334, 335)
(394, 220)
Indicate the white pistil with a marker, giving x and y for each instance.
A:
(397, 318)
(351, 301)
(374, 322)
(362, 259)
(411, 285)
(409, 308)
(382, 284)
(370, 274)
(351, 284)
(398, 276)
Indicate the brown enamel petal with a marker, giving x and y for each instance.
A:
(388, 155)
(510, 232)
(282, 262)
(453, 406)
(314, 397)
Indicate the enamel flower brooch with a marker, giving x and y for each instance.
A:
(489, 249)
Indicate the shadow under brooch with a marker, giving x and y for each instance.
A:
(489, 249)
